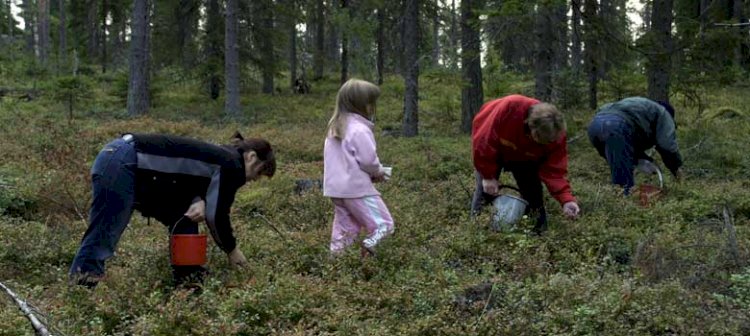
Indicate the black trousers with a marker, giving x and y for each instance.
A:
(530, 186)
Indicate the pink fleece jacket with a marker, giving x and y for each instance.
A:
(350, 163)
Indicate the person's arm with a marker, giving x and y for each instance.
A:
(485, 153)
(553, 172)
(362, 144)
(666, 142)
(219, 199)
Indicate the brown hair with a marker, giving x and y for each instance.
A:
(546, 122)
(262, 149)
(354, 97)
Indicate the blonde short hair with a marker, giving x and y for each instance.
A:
(545, 122)
(355, 96)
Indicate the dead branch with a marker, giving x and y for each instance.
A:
(38, 326)
(733, 247)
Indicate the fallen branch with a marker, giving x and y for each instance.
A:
(38, 326)
(270, 224)
(734, 250)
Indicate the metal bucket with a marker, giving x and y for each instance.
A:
(508, 211)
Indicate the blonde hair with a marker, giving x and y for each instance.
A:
(546, 122)
(353, 97)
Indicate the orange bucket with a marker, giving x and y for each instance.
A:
(188, 249)
(648, 193)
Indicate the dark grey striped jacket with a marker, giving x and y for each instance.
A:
(173, 171)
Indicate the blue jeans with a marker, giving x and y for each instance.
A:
(113, 181)
(613, 138)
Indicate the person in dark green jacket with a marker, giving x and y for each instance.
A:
(622, 132)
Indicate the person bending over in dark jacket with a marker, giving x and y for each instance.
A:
(167, 177)
(622, 131)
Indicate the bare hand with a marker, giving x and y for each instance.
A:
(571, 210)
(197, 211)
(490, 186)
(237, 259)
(379, 177)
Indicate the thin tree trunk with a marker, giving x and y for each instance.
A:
(658, 68)
(92, 30)
(332, 42)
(380, 40)
(454, 37)
(187, 16)
(436, 36)
(63, 35)
(231, 61)
(319, 55)
(105, 11)
(575, 50)
(138, 87)
(267, 53)
(345, 45)
(213, 49)
(43, 30)
(411, 67)
(742, 52)
(292, 47)
(28, 17)
(472, 95)
(591, 53)
(543, 61)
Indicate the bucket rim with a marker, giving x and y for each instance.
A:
(515, 197)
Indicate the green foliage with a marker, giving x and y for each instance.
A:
(72, 90)
(620, 269)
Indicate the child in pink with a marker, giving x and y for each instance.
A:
(350, 166)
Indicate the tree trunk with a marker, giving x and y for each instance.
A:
(292, 23)
(345, 44)
(659, 65)
(28, 17)
(105, 11)
(232, 61)
(213, 48)
(62, 34)
(545, 40)
(742, 52)
(472, 95)
(591, 52)
(380, 40)
(411, 67)
(138, 87)
(92, 29)
(43, 30)
(319, 55)
(187, 19)
(436, 36)
(332, 42)
(575, 50)
(454, 37)
(266, 42)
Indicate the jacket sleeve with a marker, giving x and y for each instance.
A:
(363, 146)
(218, 208)
(553, 172)
(666, 142)
(484, 149)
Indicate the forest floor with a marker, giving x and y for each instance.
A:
(675, 267)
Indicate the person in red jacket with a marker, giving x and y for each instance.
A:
(526, 137)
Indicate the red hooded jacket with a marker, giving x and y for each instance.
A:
(499, 134)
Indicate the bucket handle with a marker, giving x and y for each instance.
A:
(171, 233)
